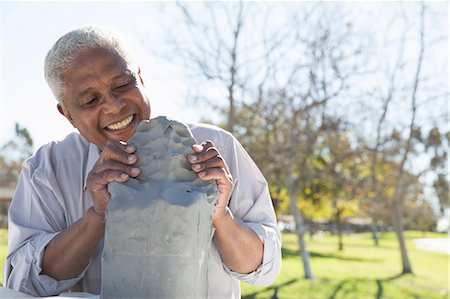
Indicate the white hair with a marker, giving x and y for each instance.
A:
(64, 51)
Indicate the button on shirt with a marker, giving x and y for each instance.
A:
(51, 195)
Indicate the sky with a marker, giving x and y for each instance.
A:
(29, 29)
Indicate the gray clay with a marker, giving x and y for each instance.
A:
(158, 226)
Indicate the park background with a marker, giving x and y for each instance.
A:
(343, 105)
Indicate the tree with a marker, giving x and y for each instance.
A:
(285, 74)
(438, 144)
(341, 172)
(419, 215)
(12, 155)
(215, 49)
(242, 68)
(399, 142)
(277, 80)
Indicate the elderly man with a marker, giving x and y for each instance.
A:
(56, 218)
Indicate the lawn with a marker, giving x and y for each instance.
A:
(359, 271)
(3, 250)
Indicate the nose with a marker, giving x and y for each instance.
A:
(113, 104)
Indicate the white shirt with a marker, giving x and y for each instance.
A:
(51, 195)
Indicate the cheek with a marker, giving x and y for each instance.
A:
(88, 123)
(145, 103)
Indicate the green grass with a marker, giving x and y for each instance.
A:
(3, 250)
(359, 271)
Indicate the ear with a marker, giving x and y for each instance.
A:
(140, 76)
(65, 113)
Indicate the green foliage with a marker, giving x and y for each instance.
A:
(419, 215)
(3, 249)
(12, 155)
(360, 271)
(280, 199)
(442, 189)
(319, 208)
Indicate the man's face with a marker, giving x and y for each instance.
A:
(104, 98)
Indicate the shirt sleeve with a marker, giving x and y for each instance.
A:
(251, 202)
(35, 217)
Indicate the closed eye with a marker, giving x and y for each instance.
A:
(123, 86)
(92, 102)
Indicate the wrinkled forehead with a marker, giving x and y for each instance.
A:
(95, 57)
(92, 66)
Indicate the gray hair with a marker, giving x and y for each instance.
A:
(64, 51)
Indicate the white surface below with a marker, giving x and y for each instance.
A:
(6, 293)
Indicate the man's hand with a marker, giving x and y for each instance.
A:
(69, 252)
(239, 246)
(115, 164)
(209, 164)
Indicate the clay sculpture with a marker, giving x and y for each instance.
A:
(158, 226)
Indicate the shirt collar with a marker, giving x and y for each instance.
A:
(93, 155)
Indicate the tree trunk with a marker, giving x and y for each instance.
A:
(397, 220)
(374, 228)
(300, 230)
(398, 200)
(339, 230)
(311, 227)
(233, 71)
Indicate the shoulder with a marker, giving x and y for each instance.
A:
(73, 146)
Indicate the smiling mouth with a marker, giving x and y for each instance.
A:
(120, 124)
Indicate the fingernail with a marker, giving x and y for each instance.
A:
(135, 171)
(132, 158)
(130, 148)
(198, 147)
(197, 166)
(192, 158)
(124, 176)
(202, 174)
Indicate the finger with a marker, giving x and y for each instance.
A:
(96, 182)
(118, 152)
(122, 145)
(198, 148)
(219, 174)
(128, 147)
(224, 183)
(207, 144)
(117, 166)
(206, 154)
(215, 162)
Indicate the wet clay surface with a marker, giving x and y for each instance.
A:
(158, 226)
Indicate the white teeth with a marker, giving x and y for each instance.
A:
(121, 124)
